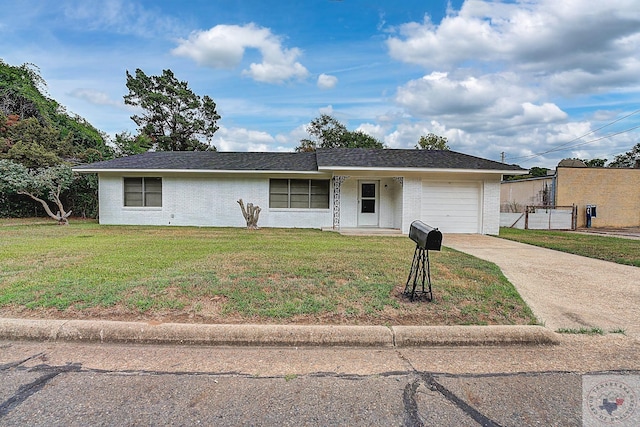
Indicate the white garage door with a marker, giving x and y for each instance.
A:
(453, 207)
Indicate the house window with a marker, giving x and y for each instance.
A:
(143, 192)
(299, 193)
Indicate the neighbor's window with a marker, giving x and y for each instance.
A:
(143, 192)
(299, 193)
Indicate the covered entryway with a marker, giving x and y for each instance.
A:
(368, 203)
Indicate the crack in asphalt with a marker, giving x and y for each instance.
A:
(411, 414)
(412, 417)
(10, 365)
(28, 390)
(476, 415)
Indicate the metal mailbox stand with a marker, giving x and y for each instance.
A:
(426, 237)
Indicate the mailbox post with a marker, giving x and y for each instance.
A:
(426, 238)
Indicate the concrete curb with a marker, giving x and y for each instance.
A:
(413, 336)
(272, 335)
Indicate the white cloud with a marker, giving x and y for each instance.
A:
(376, 131)
(595, 41)
(580, 81)
(120, 16)
(223, 46)
(438, 94)
(96, 97)
(291, 140)
(406, 135)
(326, 110)
(326, 81)
(241, 139)
(471, 103)
(496, 74)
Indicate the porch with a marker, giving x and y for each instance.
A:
(366, 231)
(368, 204)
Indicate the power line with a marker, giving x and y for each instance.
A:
(565, 144)
(603, 137)
(533, 156)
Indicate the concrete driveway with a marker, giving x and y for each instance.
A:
(563, 290)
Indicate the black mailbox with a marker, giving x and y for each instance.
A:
(425, 236)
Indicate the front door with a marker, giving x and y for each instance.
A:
(368, 203)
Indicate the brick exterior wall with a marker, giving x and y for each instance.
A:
(490, 220)
(205, 202)
(411, 202)
(189, 200)
(615, 192)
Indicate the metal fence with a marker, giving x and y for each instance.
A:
(542, 218)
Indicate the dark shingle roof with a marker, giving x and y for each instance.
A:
(421, 159)
(356, 158)
(212, 160)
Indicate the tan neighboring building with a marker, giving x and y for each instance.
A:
(614, 191)
(516, 195)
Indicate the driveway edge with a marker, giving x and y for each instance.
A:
(104, 331)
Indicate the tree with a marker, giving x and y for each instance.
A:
(39, 184)
(595, 163)
(536, 171)
(432, 142)
(23, 97)
(37, 132)
(359, 139)
(629, 159)
(174, 118)
(128, 145)
(33, 145)
(328, 133)
(331, 133)
(20, 91)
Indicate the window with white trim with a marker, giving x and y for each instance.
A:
(299, 193)
(143, 192)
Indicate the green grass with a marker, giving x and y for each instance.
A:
(228, 275)
(614, 249)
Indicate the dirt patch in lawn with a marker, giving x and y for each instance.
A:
(211, 310)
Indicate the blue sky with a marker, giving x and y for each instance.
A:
(537, 80)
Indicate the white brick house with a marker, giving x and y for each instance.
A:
(335, 188)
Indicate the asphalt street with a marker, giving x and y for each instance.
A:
(59, 383)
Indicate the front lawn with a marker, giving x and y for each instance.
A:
(614, 249)
(224, 275)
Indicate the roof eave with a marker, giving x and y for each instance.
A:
(421, 170)
(209, 171)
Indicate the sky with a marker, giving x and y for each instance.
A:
(530, 81)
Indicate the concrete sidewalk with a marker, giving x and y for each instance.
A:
(563, 290)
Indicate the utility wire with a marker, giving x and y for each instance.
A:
(587, 142)
(603, 137)
(563, 146)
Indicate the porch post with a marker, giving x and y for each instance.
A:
(337, 183)
(400, 181)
